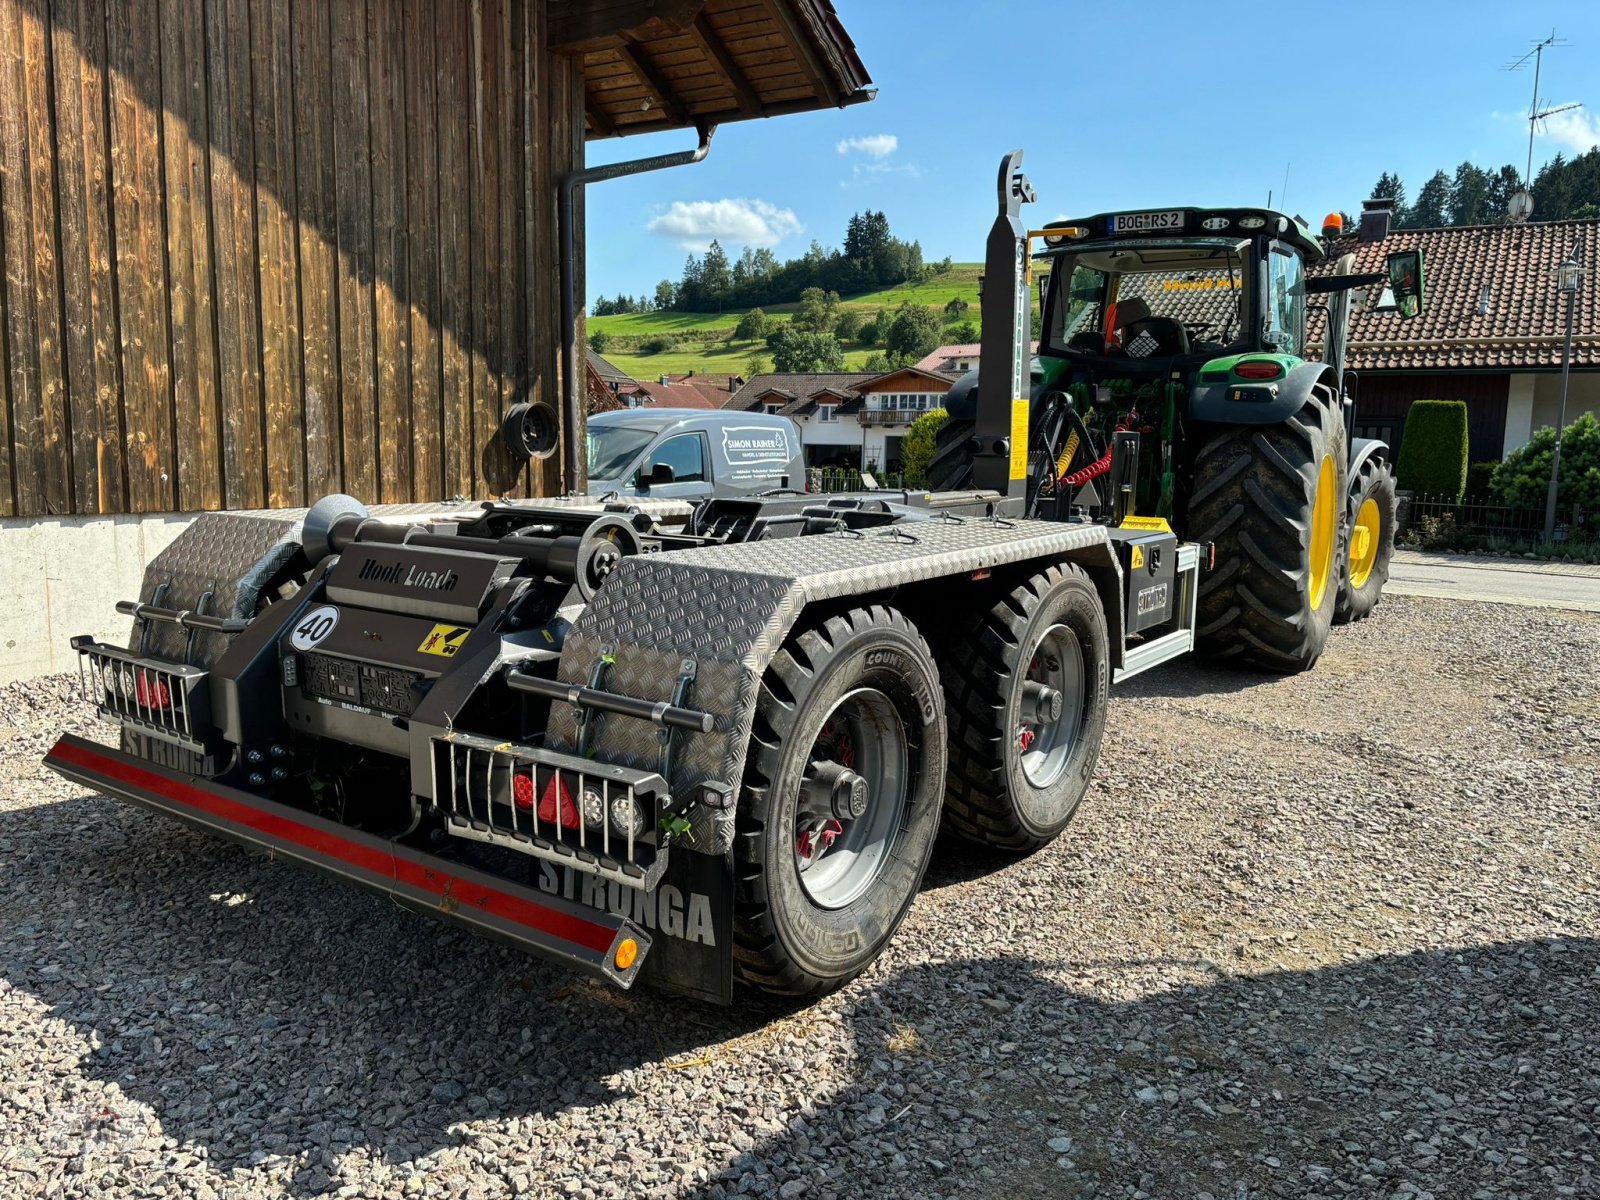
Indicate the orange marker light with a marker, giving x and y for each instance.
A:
(1332, 225)
(627, 952)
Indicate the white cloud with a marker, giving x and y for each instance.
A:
(696, 224)
(1575, 130)
(874, 145)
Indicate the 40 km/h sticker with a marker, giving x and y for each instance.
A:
(314, 627)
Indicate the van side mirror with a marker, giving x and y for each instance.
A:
(660, 473)
(1405, 282)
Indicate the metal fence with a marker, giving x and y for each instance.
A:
(827, 480)
(1442, 522)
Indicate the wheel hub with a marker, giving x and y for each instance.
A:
(851, 798)
(1050, 706)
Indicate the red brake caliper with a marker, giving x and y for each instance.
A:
(815, 842)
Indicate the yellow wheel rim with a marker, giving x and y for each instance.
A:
(1324, 527)
(1364, 543)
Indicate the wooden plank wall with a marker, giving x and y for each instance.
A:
(254, 251)
(1390, 397)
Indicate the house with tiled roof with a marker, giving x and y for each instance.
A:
(1490, 332)
(957, 358)
(855, 420)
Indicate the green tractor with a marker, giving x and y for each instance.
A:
(1173, 385)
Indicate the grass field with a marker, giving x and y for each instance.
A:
(703, 337)
(723, 358)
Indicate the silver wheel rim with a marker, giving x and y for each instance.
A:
(864, 733)
(1043, 750)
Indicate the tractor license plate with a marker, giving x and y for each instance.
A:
(1146, 222)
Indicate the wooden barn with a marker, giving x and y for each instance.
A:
(256, 251)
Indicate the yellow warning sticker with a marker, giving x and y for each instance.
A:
(1019, 439)
(444, 640)
(1136, 557)
(1158, 524)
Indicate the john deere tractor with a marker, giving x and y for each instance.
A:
(1173, 383)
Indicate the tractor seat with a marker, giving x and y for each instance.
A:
(1170, 337)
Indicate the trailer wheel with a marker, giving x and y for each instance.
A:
(1271, 498)
(1026, 696)
(1365, 567)
(840, 803)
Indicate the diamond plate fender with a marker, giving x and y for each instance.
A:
(730, 608)
(229, 555)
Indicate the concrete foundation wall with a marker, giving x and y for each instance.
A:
(64, 576)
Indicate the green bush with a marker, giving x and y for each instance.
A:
(662, 343)
(916, 452)
(599, 340)
(1433, 453)
(1524, 477)
(1479, 476)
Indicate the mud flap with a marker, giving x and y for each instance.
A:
(689, 914)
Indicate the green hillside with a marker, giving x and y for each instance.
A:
(703, 338)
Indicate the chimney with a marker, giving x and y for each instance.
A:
(666, 379)
(1376, 214)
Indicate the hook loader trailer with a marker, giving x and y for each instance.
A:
(687, 745)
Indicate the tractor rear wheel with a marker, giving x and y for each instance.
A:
(1271, 499)
(1365, 568)
(1026, 697)
(840, 804)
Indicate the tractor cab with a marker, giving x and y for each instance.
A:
(1146, 289)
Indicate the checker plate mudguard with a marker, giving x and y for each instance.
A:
(730, 608)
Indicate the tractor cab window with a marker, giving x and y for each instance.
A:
(1286, 301)
(1149, 299)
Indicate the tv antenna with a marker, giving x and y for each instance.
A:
(1535, 113)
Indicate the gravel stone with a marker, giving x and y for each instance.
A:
(1341, 929)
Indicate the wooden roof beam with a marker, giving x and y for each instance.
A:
(827, 90)
(601, 121)
(579, 25)
(716, 51)
(652, 78)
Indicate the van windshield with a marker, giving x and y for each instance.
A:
(611, 449)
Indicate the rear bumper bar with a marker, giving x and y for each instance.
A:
(553, 928)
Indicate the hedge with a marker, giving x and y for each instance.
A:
(1433, 453)
(1524, 477)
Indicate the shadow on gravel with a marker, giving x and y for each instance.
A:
(1471, 1073)
(262, 1012)
(1194, 677)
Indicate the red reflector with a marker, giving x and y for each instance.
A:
(1258, 370)
(151, 693)
(522, 792)
(548, 804)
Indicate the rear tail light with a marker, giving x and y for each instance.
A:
(151, 693)
(558, 800)
(1258, 370)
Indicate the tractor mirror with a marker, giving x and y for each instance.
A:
(1405, 282)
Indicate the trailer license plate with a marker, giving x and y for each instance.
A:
(1146, 222)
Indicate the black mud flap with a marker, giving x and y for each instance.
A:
(690, 915)
(589, 938)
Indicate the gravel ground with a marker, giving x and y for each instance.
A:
(1336, 935)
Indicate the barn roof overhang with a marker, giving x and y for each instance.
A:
(652, 65)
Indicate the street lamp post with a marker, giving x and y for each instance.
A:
(1568, 276)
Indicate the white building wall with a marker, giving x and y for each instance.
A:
(1583, 396)
(63, 576)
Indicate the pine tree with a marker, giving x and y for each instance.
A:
(1469, 196)
(1432, 209)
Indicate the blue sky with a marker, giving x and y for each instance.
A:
(1159, 103)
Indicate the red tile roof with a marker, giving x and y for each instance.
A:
(1525, 320)
(675, 395)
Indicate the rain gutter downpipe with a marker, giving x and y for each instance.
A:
(572, 450)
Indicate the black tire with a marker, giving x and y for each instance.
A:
(950, 468)
(996, 794)
(1373, 485)
(1255, 498)
(785, 940)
